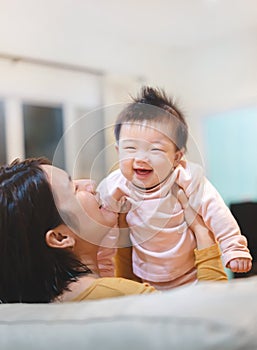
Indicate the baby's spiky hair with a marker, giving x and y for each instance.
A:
(139, 110)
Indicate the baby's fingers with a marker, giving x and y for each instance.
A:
(240, 265)
(233, 265)
(247, 265)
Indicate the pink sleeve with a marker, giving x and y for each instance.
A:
(105, 259)
(109, 188)
(106, 253)
(206, 200)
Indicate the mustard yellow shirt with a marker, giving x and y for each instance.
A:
(207, 262)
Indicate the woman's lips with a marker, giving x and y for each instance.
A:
(98, 199)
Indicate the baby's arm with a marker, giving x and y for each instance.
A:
(207, 255)
(207, 202)
(111, 192)
(220, 220)
(111, 198)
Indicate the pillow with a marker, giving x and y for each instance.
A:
(209, 315)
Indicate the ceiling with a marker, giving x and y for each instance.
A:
(170, 23)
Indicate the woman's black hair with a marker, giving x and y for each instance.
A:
(30, 270)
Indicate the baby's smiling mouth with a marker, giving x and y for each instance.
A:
(143, 171)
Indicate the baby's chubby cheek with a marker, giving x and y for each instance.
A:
(126, 168)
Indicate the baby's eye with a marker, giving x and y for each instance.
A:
(157, 150)
(129, 147)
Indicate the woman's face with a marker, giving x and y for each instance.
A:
(78, 206)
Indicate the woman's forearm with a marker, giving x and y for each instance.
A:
(204, 237)
(209, 265)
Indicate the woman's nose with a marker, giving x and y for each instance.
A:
(86, 185)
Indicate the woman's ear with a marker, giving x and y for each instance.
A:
(178, 156)
(60, 237)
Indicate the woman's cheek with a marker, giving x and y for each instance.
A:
(92, 210)
(87, 202)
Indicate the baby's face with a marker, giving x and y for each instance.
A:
(146, 154)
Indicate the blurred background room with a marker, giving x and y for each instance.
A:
(67, 67)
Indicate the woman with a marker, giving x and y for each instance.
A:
(42, 255)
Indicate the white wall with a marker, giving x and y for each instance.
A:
(215, 76)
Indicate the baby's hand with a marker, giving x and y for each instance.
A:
(117, 194)
(240, 265)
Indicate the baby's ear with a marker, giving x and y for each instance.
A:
(178, 156)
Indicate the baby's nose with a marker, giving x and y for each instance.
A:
(142, 156)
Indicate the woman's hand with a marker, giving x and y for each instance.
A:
(204, 237)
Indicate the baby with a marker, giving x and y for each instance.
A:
(151, 135)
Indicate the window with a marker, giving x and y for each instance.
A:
(43, 130)
(231, 142)
(90, 144)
